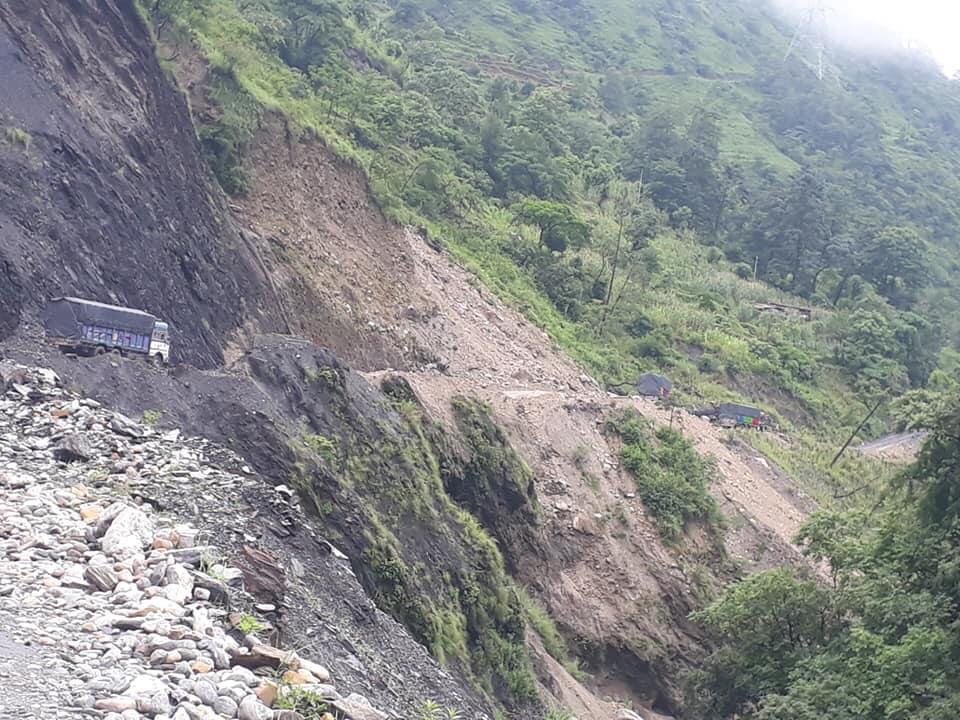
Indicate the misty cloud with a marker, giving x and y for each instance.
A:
(882, 27)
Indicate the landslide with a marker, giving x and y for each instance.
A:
(103, 192)
(620, 594)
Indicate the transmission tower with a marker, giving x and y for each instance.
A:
(809, 42)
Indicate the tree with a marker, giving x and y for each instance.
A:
(767, 623)
(559, 227)
(163, 11)
(792, 230)
(895, 261)
(882, 642)
(613, 92)
(316, 28)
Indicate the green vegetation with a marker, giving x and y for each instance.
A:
(151, 417)
(431, 710)
(17, 137)
(540, 621)
(399, 492)
(321, 445)
(672, 478)
(879, 639)
(639, 179)
(247, 624)
(620, 173)
(310, 705)
(494, 483)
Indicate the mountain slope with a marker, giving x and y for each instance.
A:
(683, 154)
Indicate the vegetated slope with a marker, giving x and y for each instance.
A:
(103, 192)
(580, 156)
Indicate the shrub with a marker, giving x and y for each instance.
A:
(310, 705)
(321, 445)
(17, 136)
(672, 478)
(249, 624)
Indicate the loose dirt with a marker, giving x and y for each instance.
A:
(388, 302)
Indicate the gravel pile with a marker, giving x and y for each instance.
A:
(111, 609)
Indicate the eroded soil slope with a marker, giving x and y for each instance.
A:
(601, 566)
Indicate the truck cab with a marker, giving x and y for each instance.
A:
(160, 342)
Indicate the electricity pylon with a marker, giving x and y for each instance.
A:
(809, 42)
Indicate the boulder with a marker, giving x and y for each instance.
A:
(129, 533)
(357, 707)
(73, 448)
(253, 709)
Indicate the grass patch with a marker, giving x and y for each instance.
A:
(247, 624)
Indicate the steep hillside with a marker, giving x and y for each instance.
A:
(103, 192)
(584, 190)
(621, 172)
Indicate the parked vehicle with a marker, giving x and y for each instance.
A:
(86, 327)
(734, 415)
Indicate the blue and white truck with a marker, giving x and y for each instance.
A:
(88, 328)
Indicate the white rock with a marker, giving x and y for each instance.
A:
(178, 575)
(129, 533)
(148, 687)
(253, 709)
(176, 593)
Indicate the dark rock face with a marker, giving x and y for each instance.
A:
(103, 193)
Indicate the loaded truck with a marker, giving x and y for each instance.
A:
(734, 415)
(89, 328)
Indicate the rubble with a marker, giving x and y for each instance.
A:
(108, 608)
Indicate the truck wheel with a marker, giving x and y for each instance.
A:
(100, 350)
(156, 360)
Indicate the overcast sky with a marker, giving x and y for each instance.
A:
(932, 24)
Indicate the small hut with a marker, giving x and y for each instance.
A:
(653, 385)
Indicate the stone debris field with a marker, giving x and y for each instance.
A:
(111, 609)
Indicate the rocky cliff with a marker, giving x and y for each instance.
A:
(103, 192)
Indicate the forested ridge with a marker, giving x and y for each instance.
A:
(639, 179)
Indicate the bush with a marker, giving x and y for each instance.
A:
(672, 478)
(309, 705)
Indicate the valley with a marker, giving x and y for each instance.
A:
(404, 249)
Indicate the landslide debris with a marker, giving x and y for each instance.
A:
(158, 576)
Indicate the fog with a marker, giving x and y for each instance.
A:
(929, 27)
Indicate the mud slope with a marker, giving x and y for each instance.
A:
(103, 192)
(614, 587)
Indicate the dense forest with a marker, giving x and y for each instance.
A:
(877, 639)
(640, 179)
